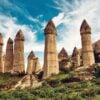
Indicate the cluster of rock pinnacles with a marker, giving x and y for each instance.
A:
(13, 61)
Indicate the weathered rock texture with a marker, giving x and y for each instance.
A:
(63, 54)
(64, 61)
(87, 49)
(33, 64)
(18, 63)
(51, 65)
(3, 63)
(29, 81)
(84, 73)
(96, 47)
(76, 57)
(1, 57)
(9, 56)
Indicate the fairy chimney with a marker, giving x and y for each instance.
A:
(18, 61)
(9, 56)
(51, 65)
(33, 64)
(63, 54)
(1, 57)
(76, 57)
(30, 63)
(87, 49)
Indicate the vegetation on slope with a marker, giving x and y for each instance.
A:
(58, 87)
(7, 80)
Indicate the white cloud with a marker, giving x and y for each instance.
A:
(74, 13)
(33, 19)
(58, 19)
(9, 28)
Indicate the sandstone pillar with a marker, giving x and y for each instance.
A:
(87, 49)
(36, 65)
(51, 65)
(30, 63)
(9, 56)
(1, 57)
(33, 64)
(76, 57)
(18, 62)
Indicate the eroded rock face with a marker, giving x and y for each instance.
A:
(84, 73)
(87, 49)
(1, 57)
(51, 65)
(33, 64)
(9, 56)
(18, 61)
(29, 81)
(96, 47)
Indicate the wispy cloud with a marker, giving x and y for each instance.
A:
(9, 28)
(10, 25)
(74, 12)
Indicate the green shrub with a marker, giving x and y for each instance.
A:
(97, 71)
(22, 95)
(65, 70)
(96, 81)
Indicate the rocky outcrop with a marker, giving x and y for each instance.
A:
(28, 81)
(83, 73)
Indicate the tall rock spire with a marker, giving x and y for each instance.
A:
(1, 57)
(9, 56)
(51, 65)
(18, 62)
(30, 62)
(33, 64)
(87, 49)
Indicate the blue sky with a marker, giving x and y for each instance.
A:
(32, 15)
